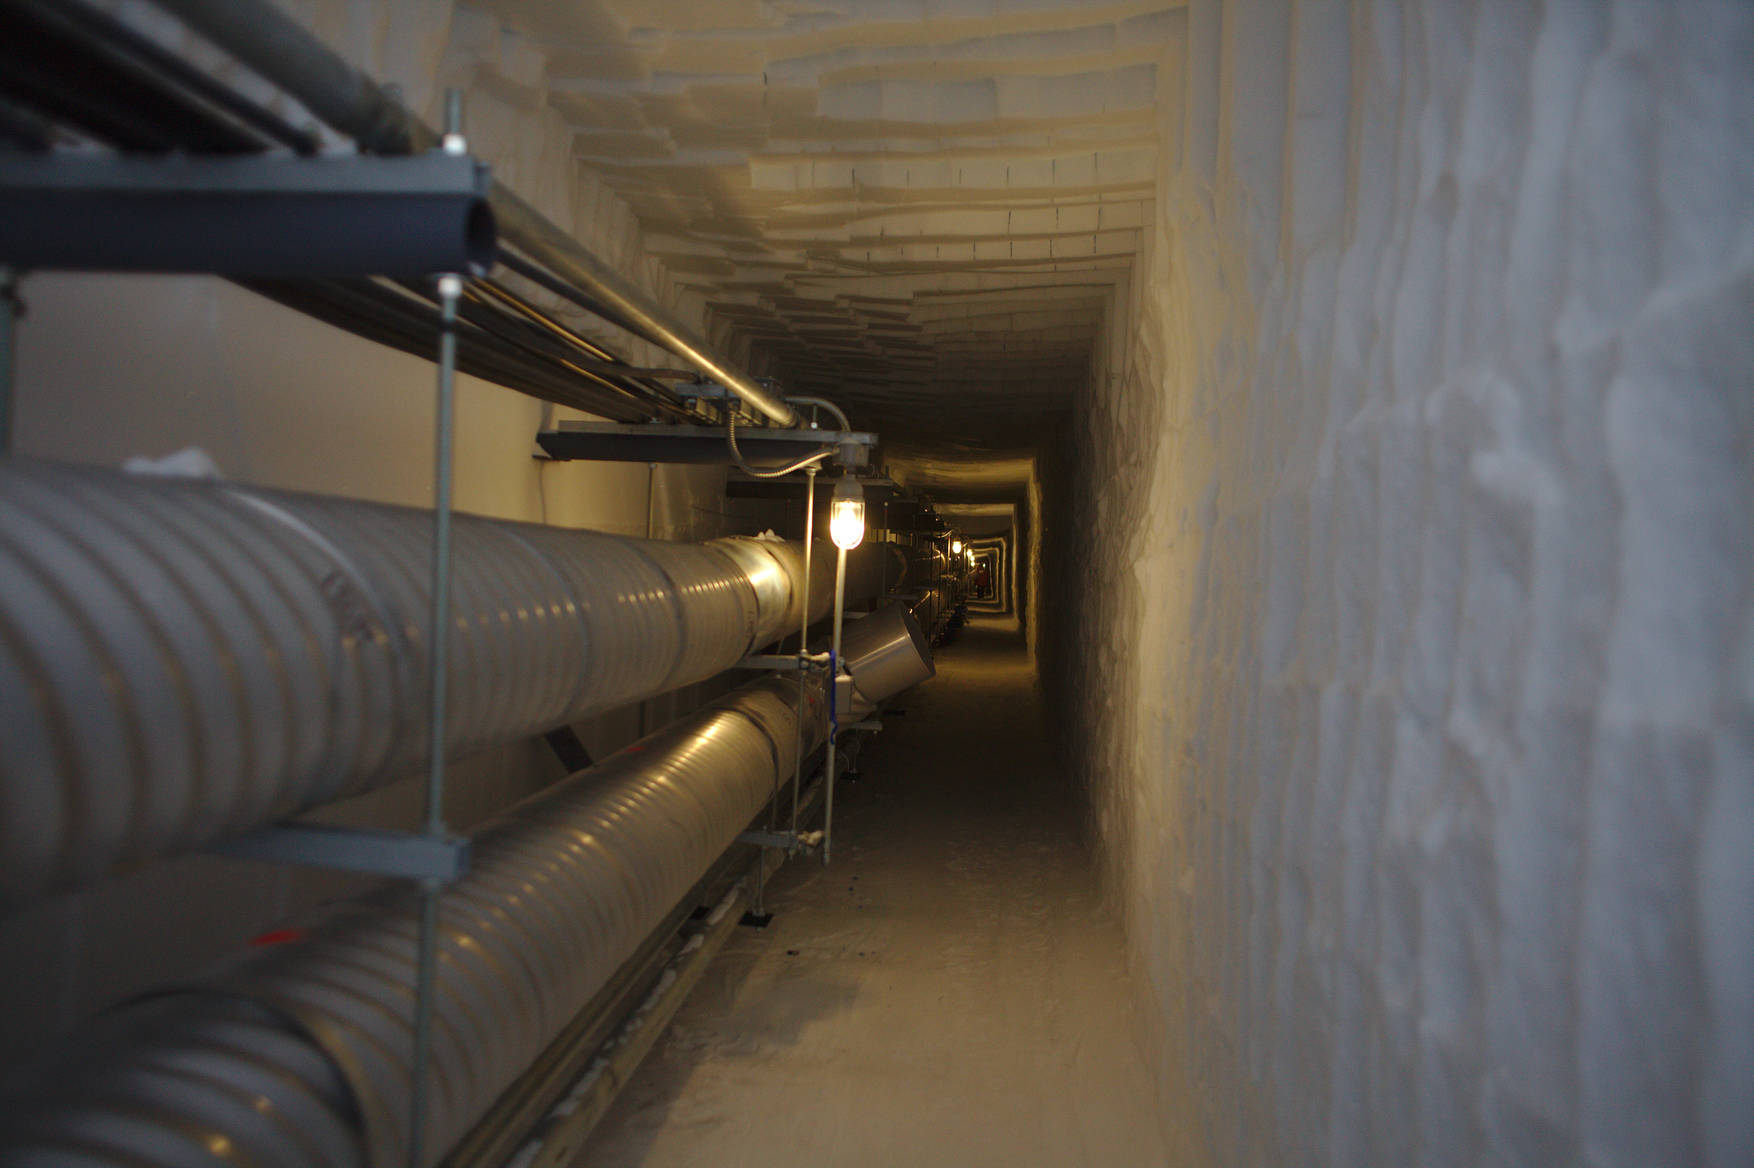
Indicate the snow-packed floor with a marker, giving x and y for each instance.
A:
(949, 992)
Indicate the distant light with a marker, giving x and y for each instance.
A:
(956, 547)
(846, 513)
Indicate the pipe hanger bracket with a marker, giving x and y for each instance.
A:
(370, 851)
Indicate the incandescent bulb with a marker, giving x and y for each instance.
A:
(846, 514)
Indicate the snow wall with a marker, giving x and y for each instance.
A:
(1403, 581)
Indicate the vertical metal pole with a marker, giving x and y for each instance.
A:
(803, 641)
(453, 142)
(8, 325)
(840, 604)
(883, 560)
(423, 999)
(450, 291)
(651, 509)
(651, 497)
(773, 812)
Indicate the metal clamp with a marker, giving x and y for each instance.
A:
(783, 663)
(784, 840)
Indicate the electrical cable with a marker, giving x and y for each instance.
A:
(781, 472)
(822, 403)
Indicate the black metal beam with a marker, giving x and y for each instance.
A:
(252, 215)
(606, 442)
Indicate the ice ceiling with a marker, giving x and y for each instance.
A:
(918, 207)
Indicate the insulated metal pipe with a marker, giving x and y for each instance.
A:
(297, 1055)
(286, 53)
(182, 660)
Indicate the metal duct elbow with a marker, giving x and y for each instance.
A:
(885, 653)
(775, 569)
(184, 660)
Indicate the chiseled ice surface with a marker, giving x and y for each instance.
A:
(1409, 532)
(919, 206)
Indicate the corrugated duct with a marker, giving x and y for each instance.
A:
(298, 1056)
(183, 660)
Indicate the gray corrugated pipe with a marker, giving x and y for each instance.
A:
(182, 660)
(298, 1055)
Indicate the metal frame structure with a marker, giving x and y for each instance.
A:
(565, 890)
(656, 442)
(263, 215)
(436, 291)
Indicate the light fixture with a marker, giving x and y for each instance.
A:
(956, 547)
(846, 513)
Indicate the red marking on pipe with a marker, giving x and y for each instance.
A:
(276, 937)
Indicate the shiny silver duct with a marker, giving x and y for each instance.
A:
(885, 653)
(183, 660)
(297, 1056)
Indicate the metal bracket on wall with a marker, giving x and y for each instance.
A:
(661, 442)
(569, 749)
(783, 663)
(374, 852)
(267, 215)
(784, 840)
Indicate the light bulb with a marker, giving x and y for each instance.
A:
(846, 514)
(956, 547)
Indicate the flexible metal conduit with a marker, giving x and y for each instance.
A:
(183, 660)
(286, 53)
(297, 1056)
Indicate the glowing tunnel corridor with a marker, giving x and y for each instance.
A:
(946, 582)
